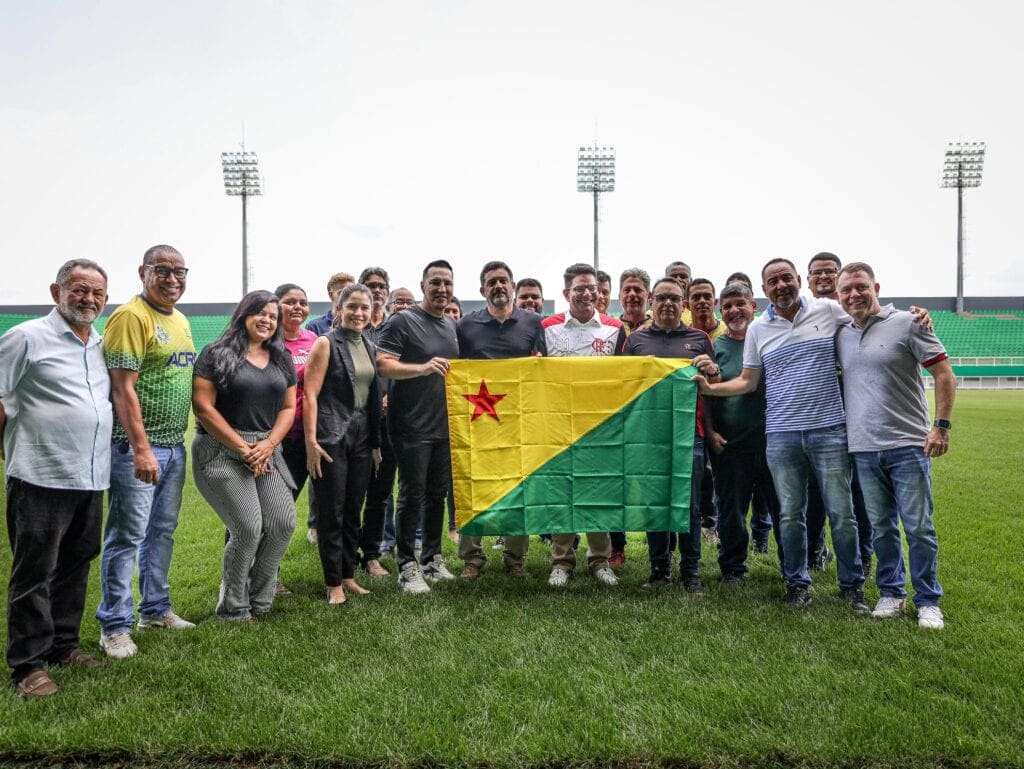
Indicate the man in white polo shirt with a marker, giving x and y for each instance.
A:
(792, 345)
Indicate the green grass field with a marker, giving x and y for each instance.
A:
(511, 674)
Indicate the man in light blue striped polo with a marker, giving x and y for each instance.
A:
(793, 347)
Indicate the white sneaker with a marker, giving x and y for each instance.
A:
(118, 645)
(930, 617)
(170, 621)
(436, 571)
(311, 535)
(606, 576)
(558, 578)
(888, 606)
(410, 579)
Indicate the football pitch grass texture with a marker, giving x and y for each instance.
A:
(499, 672)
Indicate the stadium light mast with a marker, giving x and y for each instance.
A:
(961, 169)
(595, 173)
(242, 179)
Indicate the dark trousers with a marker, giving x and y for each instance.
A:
(340, 492)
(658, 542)
(379, 505)
(738, 476)
(54, 535)
(424, 471)
(760, 517)
(816, 515)
(708, 503)
(618, 540)
(294, 452)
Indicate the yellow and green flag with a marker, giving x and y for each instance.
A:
(566, 445)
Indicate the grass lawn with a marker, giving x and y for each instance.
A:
(509, 673)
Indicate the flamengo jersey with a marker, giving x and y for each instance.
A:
(568, 337)
(798, 359)
(158, 345)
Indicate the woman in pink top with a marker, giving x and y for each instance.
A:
(298, 341)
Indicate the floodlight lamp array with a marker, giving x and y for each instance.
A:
(241, 173)
(963, 164)
(595, 170)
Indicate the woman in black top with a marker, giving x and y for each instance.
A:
(341, 416)
(243, 394)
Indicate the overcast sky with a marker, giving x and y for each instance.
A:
(393, 133)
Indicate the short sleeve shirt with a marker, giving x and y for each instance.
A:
(299, 348)
(481, 335)
(798, 359)
(739, 418)
(158, 345)
(567, 337)
(417, 409)
(252, 397)
(885, 402)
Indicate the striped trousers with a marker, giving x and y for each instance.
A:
(259, 513)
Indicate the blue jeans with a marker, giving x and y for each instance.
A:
(897, 486)
(793, 456)
(739, 476)
(659, 543)
(141, 518)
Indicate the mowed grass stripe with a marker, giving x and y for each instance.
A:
(508, 673)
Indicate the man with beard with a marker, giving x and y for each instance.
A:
(415, 348)
(792, 347)
(682, 273)
(55, 422)
(737, 444)
(499, 330)
(530, 295)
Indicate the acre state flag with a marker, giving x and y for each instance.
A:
(561, 445)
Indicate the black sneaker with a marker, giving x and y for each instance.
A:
(761, 548)
(656, 580)
(797, 597)
(692, 584)
(855, 597)
(822, 559)
(732, 580)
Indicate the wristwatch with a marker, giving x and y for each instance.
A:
(942, 424)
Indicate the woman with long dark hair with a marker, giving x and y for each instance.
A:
(243, 394)
(342, 422)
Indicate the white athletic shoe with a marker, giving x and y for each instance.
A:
(606, 577)
(436, 571)
(559, 578)
(170, 621)
(930, 617)
(118, 645)
(410, 579)
(888, 606)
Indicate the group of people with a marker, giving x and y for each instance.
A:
(815, 410)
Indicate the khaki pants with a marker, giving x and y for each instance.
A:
(599, 547)
(516, 548)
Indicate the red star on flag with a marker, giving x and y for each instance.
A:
(484, 402)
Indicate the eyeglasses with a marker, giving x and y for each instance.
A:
(401, 302)
(376, 284)
(165, 272)
(581, 290)
(830, 272)
(669, 298)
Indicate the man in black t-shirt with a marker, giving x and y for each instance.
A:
(414, 350)
(499, 330)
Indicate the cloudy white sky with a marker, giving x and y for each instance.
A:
(393, 133)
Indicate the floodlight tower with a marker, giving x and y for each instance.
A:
(595, 173)
(242, 179)
(962, 168)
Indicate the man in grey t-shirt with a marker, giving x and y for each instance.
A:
(890, 439)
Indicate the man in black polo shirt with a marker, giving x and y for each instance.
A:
(414, 350)
(669, 337)
(499, 330)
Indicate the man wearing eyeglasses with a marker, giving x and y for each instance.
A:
(669, 337)
(149, 352)
(583, 331)
(822, 272)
